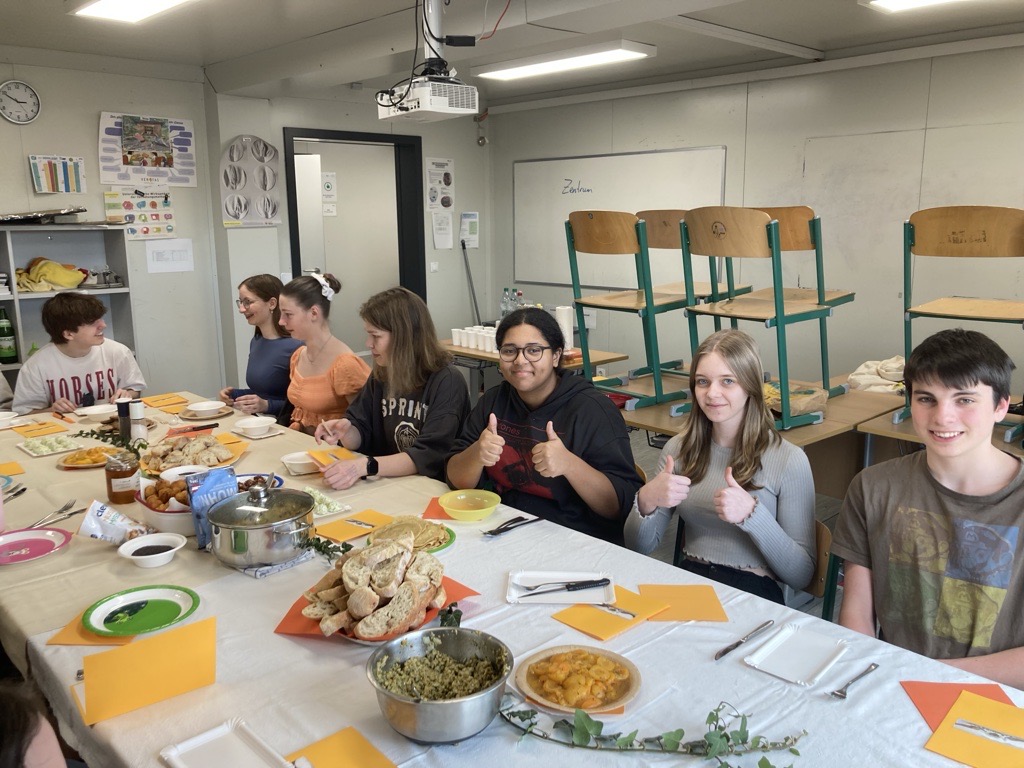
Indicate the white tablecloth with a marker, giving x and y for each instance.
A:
(294, 691)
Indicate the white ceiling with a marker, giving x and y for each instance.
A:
(318, 48)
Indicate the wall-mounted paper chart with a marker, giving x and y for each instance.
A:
(54, 173)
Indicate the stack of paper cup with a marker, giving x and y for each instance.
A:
(564, 317)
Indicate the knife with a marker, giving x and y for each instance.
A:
(572, 586)
(742, 640)
(989, 733)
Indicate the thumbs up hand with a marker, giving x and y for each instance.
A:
(732, 503)
(666, 489)
(490, 444)
(551, 458)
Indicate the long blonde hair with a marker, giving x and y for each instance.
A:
(757, 432)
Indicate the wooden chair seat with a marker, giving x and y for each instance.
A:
(833, 298)
(760, 309)
(993, 310)
(664, 295)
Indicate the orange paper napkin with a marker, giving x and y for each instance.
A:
(686, 602)
(39, 430)
(173, 409)
(973, 748)
(343, 530)
(226, 438)
(11, 468)
(294, 623)
(435, 512)
(602, 624)
(162, 401)
(934, 700)
(327, 457)
(347, 748)
(75, 633)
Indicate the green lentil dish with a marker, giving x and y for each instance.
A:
(438, 677)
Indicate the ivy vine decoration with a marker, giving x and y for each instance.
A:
(136, 446)
(451, 616)
(727, 735)
(328, 549)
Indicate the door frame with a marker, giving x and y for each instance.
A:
(412, 266)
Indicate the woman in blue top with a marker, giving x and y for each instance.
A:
(270, 350)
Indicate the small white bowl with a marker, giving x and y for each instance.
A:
(254, 426)
(176, 473)
(178, 521)
(300, 463)
(173, 542)
(97, 412)
(206, 408)
(6, 416)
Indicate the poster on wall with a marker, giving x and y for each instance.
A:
(136, 149)
(249, 189)
(56, 173)
(440, 180)
(149, 215)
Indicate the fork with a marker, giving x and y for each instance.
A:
(511, 525)
(841, 693)
(56, 513)
(616, 609)
(544, 584)
(59, 518)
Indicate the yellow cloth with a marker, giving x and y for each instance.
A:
(47, 275)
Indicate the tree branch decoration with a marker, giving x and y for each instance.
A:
(725, 737)
(136, 446)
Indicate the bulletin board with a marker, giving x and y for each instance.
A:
(547, 190)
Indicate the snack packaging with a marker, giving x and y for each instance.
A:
(205, 490)
(103, 522)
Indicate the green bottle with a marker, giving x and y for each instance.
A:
(8, 348)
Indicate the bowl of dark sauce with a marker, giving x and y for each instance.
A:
(152, 550)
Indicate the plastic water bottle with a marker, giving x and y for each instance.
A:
(504, 307)
(520, 301)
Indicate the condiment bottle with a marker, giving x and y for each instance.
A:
(136, 411)
(124, 419)
(122, 472)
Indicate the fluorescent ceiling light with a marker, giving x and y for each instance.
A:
(563, 61)
(121, 10)
(895, 6)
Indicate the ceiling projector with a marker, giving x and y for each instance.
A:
(429, 100)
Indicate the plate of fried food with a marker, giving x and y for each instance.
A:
(204, 450)
(427, 536)
(87, 458)
(571, 677)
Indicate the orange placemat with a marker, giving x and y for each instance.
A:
(435, 512)
(934, 700)
(343, 530)
(11, 468)
(162, 401)
(604, 625)
(325, 458)
(686, 602)
(347, 748)
(39, 430)
(75, 633)
(173, 409)
(294, 623)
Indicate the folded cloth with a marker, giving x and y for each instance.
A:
(262, 571)
(46, 275)
(879, 376)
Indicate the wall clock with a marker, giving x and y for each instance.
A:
(19, 102)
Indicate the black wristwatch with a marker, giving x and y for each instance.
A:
(371, 467)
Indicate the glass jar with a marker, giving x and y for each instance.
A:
(122, 472)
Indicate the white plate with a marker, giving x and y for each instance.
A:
(595, 595)
(20, 421)
(797, 654)
(73, 446)
(272, 432)
(31, 544)
(139, 610)
(230, 744)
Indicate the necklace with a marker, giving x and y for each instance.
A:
(312, 357)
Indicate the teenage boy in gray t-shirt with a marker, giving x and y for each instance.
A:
(934, 541)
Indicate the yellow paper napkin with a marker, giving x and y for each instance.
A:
(161, 401)
(226, 438)
(343, 530)
(323, 458)
(602, 624)
(172, 408)
(686, 602)
(347, 748)
(11, 468)
(75, 633)
(973, 748)
(39, 430)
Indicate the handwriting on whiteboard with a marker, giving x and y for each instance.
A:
(574, 187)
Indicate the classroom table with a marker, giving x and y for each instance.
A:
(294, 691)
(882, 426)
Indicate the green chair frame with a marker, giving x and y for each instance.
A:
(961, 231)
(728, 233)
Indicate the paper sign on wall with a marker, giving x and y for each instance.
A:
(329, 186)
(170, 255)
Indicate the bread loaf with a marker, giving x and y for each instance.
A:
(362, 602)
(396, 617)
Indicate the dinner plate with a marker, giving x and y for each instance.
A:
(31, 544)
(20, 421)
(5, 480)
(189, 415)
(277, 482)
(526, 686)
(517, 579)
(272, 432)
(446, 543)
(237, 449)
(797, 654)
(232, 743)
(62, 462)
(139, 610)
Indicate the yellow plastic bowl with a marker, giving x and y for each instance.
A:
(469, 505)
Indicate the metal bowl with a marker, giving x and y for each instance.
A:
(451, 720)
(261, 527)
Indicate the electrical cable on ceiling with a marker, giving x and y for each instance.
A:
(391, 101)
(502, 16)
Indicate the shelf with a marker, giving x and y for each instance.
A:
(26, 295)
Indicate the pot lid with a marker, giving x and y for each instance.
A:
(260, 507)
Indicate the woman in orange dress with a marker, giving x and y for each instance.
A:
(325, 374)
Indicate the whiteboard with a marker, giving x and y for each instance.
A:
(546, 191)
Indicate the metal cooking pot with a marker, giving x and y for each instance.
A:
(261, 526)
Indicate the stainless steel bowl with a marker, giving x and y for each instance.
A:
(261, 527)
(441, 722)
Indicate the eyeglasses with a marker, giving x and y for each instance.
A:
(245, 303)
(532, 352)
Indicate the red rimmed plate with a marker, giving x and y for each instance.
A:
(31, 544)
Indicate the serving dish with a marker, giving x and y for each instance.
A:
(177, 520)
(261, 527)
(469, 505)
(237, 449)
(168, 543)
(31, 544)
(518, 579)
(231, 744)
(139, 610)
(49, 445)
(797, 654)
(65, 462)
(526, 682)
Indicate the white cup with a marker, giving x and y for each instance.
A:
(474, 338)
(457, 338)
